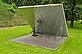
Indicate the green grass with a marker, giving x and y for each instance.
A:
(73, 45)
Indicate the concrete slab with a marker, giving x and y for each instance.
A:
(45, 41)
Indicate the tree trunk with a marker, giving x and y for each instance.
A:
(73, 13)
(72, 19)
(72, 22)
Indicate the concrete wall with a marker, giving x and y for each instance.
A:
(48, 19)
(51, 20)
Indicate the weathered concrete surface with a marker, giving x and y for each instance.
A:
(50, 19)
(45, 41)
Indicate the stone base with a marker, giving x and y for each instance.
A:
(45, 41)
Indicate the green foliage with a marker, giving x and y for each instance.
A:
(4, 11)
(12, 8)
(79, 11)
(9, 16)
(14, 5)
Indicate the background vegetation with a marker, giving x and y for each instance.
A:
(9, 16)
(72, 8)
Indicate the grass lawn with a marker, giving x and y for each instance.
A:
(73, 45)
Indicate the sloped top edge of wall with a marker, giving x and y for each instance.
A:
(39, 6)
